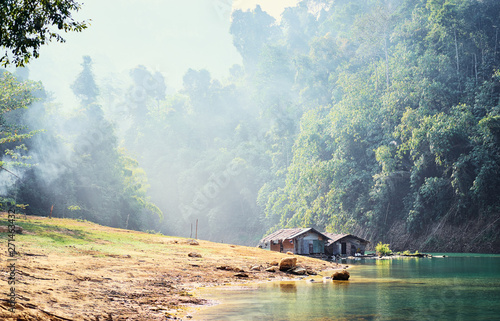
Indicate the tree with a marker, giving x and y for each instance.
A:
(14, 96)
(147, 85)
(251, 30)
(84, 87)
(373, 30)
(25, 25)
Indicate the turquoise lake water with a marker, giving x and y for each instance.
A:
(457, 287)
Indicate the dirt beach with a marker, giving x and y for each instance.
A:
(77, 270)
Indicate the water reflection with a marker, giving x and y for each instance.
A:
(288, 287)
(406, 289)
(339, 285)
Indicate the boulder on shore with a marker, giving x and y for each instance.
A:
(298, 270)
(310, 271)
(229, 268)
(272, 269)
(194, 254)
(287, 263)
(342, 275)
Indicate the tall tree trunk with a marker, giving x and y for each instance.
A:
(458, 62)
(475, 66)
(496, 41)
(386, 61)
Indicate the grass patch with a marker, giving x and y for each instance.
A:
(71, 235)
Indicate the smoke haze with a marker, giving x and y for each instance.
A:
(166, 36)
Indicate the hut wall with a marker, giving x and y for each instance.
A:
(288, 246)
(310, 243)
(353, 246)
(275, 246)
(357, 246)
(335, 248)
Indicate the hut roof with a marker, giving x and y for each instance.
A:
(288, 233)
(337, 237)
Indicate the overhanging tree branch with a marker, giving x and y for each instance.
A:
(1, 167)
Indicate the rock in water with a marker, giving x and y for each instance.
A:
(287, 263)
(343, 275)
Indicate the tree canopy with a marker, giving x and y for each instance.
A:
(26, 25)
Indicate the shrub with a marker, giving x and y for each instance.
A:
(383, 249)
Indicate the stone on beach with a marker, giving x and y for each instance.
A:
(287, 263)
(272, 269)
(298, 270)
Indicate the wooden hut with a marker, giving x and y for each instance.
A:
(303, 241)
(344, 244)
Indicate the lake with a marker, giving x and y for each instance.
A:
(457, 287)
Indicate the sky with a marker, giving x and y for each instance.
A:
(168, 36)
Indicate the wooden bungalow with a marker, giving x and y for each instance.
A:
(303, 241)
(344, 244)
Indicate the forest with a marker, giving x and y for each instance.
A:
(379, 118)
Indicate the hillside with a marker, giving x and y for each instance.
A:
(479, 236)
(77, 270)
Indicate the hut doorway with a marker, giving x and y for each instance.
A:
(344, 248)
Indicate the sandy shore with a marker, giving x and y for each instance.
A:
(101, 273)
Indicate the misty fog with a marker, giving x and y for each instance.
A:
(137, 81)
(226, 120)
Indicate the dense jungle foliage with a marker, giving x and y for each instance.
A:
(374, 117)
